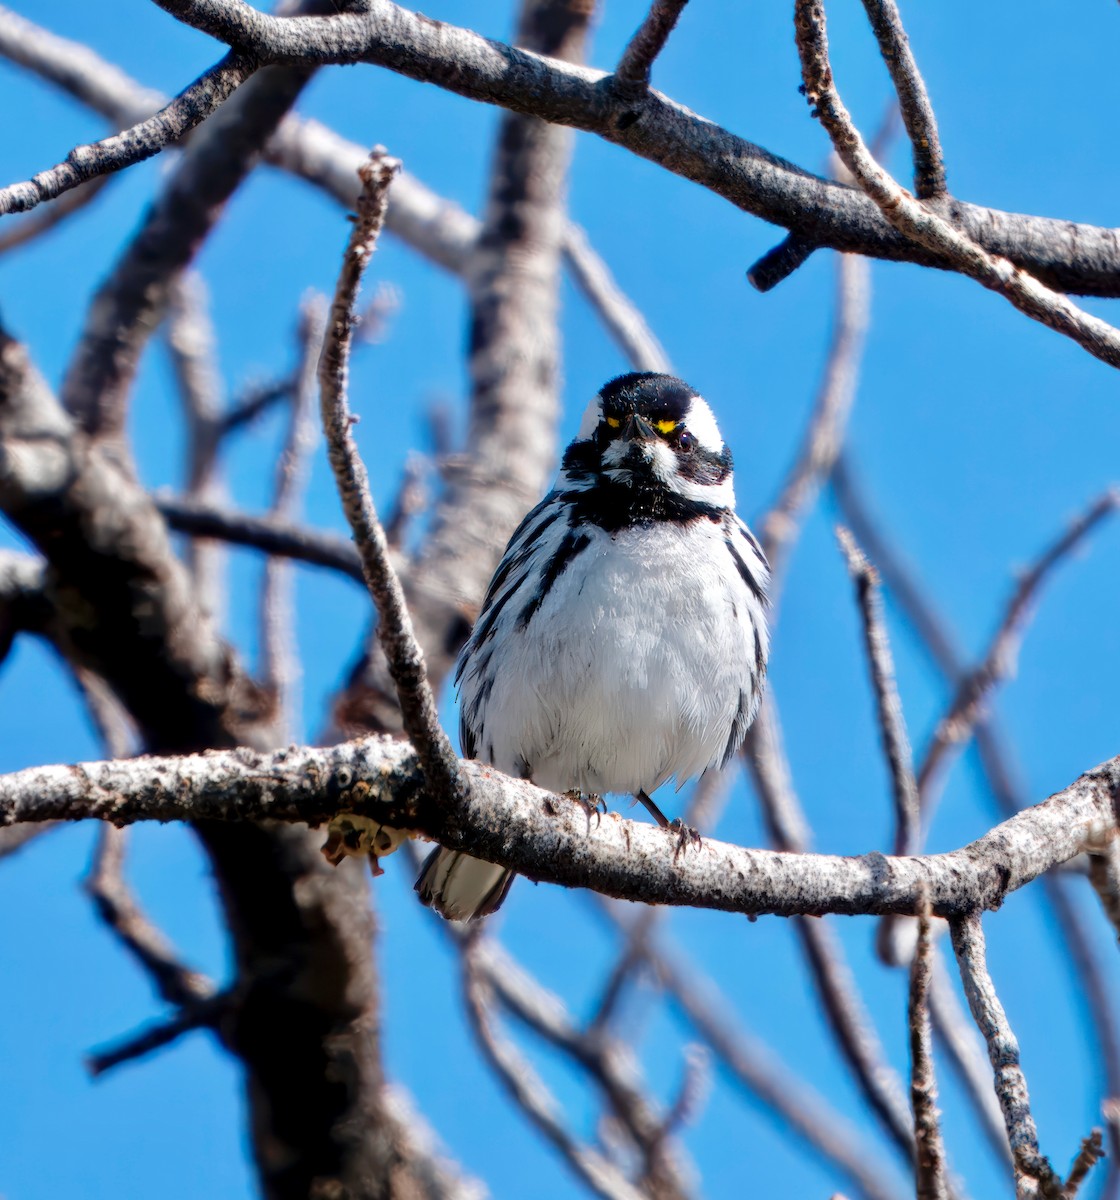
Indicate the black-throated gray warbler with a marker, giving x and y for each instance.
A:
(622, 641)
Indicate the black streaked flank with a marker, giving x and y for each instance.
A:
(572, 545)
(739, 725)
(745, 572)
(756, 546)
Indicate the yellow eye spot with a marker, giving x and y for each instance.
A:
(614, 422)
(665, 427)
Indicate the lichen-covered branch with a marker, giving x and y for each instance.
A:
(546, 837)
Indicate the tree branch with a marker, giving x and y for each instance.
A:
(913, 100)
(1070, 257)
(266, 534)
(544, 836)
(405, 658)
(956, 726)
(184, 113)
(1003, 1049)
(918, 222)
(929, 1164)
(634, 66)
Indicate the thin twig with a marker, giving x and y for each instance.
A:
(1091, 1152)
(174, 981)
(530, 1094)
(191, 343)
(1104, 875)
(316, 547)
(968, 1056)
(913, 100)
(634, 66)
(921, 224)
(406, 660)
(280, 668)
(929, 1158)
(253, 402)
(892, 723)
(1003, 1050)
(620, 316)
(999, 662)
(753, 1065)
(824, 434)
(195, 1014)
(192, 106)
(21, 233)
(605, 1059)
(1007, 791)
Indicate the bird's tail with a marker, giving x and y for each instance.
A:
(462, 888)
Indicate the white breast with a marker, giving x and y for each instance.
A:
(632, 671)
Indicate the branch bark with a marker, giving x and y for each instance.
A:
(1070, 257)
(546, 837)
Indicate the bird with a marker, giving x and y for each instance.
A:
(622, 641)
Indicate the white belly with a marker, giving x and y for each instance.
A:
(631, 672)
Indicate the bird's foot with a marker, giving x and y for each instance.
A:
(594, 806)
(686, 836)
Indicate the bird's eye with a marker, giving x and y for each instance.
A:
(686, 442)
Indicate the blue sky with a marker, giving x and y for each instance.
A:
(978, 434)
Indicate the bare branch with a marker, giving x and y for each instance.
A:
(892, 723)
(530, 1094)
(999, 661)
(1003, 1050)
(1007, 792)
(913, 100)
(604, 1059)
(83, 163)
(176, 983)
(620, 316)
(755, 1068)
(634, 66)
(315, 547)
(513, 286)
(929, 1162)
(968, 1056)
(191, 344)
(920, 223)
(406, 660)
(1091, 1152)
(252, 403)
(24, 232)
(1104, 875)
(824, 435)
(535, 833)
(1067, 256)
(131, 301)
(195, 1014)
(280, 666)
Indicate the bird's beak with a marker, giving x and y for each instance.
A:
(638, 429)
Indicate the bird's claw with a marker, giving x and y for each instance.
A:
(592, 805)
(686, 836)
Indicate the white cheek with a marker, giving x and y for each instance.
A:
(702, 425)
(592, 415)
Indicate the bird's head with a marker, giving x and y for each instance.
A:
(653, 433)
